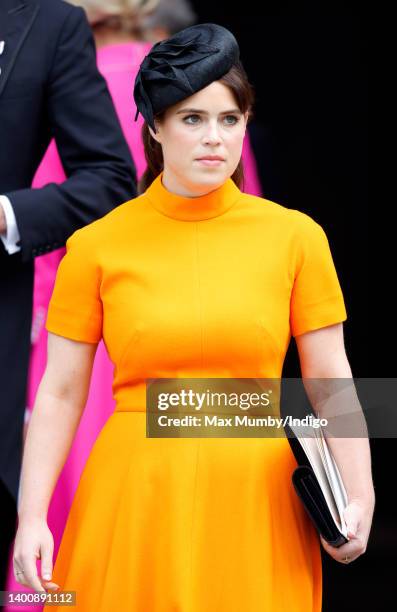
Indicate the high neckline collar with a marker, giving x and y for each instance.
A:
(198, 208)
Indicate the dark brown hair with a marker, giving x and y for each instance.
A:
(237, 81)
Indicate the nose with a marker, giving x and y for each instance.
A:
(211, 133)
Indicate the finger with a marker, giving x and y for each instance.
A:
(350, 549)
(336, 552)
(352, 516)
(331, 550)
(31, 575)
(19, 578)
(352, 524)
(51, 585)
(46, 563)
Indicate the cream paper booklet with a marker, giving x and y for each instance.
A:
(314, 445)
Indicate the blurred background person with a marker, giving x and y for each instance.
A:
(49, 88)
(124, 31)
(118, 58)
(170, 17)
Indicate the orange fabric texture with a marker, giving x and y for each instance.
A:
(212, 286)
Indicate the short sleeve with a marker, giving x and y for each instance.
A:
(75, 309)
(316, 297)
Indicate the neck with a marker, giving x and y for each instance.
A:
(184, 208)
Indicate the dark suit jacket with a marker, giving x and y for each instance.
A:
(49, 87)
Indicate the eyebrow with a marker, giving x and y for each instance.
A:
(203, 112)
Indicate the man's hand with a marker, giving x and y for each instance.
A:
(3, 223)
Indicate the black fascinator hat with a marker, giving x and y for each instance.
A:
(181, 65)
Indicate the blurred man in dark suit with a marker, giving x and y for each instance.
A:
(49, 87)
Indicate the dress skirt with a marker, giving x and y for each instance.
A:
(188, 525)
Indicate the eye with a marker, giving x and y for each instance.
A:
(185, 119)
(235, 119)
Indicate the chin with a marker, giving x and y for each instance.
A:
(212, 176)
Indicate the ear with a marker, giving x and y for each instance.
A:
(155, 135)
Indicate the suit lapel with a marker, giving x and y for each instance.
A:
(16, 19)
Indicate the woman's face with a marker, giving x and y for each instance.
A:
(208, 123)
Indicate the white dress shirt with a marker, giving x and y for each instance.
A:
(11, 237)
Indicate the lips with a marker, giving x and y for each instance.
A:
(205, 161)
(211, 158)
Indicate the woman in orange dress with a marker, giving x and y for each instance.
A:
(191, 279)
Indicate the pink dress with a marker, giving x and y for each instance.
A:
(119, 65)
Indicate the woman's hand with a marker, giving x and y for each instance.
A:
(358, 516)
(34, 541)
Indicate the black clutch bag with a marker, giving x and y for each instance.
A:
(320, 489)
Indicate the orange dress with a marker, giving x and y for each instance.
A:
(214, 287)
